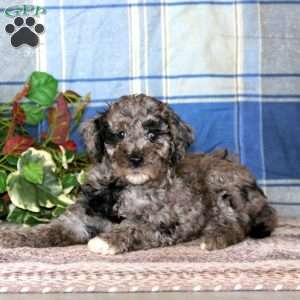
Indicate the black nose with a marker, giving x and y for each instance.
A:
(136, 160)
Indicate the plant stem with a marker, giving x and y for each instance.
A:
(6, 168)
(45, 143)
(5, 123)
(3, 158)
(4, 106)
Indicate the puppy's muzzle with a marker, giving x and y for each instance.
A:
(135, 160)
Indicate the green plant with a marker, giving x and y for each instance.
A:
(40, 175)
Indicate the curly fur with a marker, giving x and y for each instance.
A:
(144, 191)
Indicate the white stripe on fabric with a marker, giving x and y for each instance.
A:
(41, 50)
(134, 24)
(98, 103)
(237, 82)
(211, 100)
(62, 43)
(247, 99)
(261, 129)
(274, 100)
(186, 100)
(164, 53)
(130, 70)
(240, 64)
(146, 47)
(279, 181)
(41, 54)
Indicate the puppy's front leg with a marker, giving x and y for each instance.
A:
(128, 237)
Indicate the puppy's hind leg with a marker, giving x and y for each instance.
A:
(240, 214)
(263, 218)
(264, 222)
(221, 233)
(225, 225)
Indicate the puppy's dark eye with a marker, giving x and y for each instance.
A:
(152, 136)
(121, 135)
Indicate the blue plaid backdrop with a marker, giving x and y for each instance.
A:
(229, 68)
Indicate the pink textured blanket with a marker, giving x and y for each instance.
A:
(269, 264)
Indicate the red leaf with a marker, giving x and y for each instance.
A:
(17, 144)
(5, 198)
(59, 119)
(70, 145)
(44, 136)
(18, 113)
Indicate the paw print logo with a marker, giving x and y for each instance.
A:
(27, 33)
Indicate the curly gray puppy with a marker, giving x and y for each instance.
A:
(143, 191)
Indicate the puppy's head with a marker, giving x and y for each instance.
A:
(139, 136)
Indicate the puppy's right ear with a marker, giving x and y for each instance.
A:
(92, 132)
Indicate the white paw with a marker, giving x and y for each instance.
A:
(101, 246)
(203, 246)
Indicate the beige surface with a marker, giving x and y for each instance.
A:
(163, 296)
(271, 264)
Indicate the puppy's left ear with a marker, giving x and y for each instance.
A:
(92, 132)
(182, 134)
